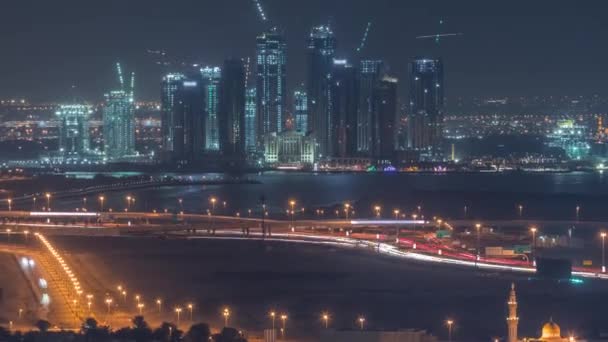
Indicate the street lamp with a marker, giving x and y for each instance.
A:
(190, 308)
(346, 209)
(325, 318)
(578, 210)
(396, 212)
(34, 204)
(109, 303)
(603, 235)
(226, 314)
(284, 320)
(48, 201)
(449, 323)
(10, 204)
(361, 320)
(272, 317)
(377, 209)
(129, 200)
(140, 306)
(292, 203)
(478, 227)
(521, 210)
(101, 199)
(178, 311)
(159, 303)
(84, 203)
(181, 205)
(533, 230)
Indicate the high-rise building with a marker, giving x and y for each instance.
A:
(344, 102)
(74, 129)
(426, 108)
(289, 149)
(301, 111)
(384, 116)
(250, 121)
(119, 125)
(211, 82)
(169, 86)
(321, 50)
(270, 84)
(232, 109)
(370, 73)
(189, 113)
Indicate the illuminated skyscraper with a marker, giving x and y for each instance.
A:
(119, 120)
(270, 85)
(370, 73)
(384, 116)
(189, 113)
(301, 111)
(344, 99)
(169, 86)
(119, 125)
(232, 109)
(211, 82)
(74, 129)
(321, 50)
(250, 120)
(426, 109)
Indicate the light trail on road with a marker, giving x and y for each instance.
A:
(388, 249)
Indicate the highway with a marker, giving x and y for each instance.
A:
(386, 236)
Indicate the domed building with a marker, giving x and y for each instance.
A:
(550, 331)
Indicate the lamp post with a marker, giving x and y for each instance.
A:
(34, 203)
(284, 320)
(190, 308)
(109, 303)
(449, 323)
(159, 302)
(226, 314)
(578, 211)
(478, 227)
(603, 235)
(533, 230)
(213, 200)
(292, 203)
(346, 209)
(361, 322)
(48, 201)
(521, 210)
(10, 204)
(325, 318)
(272, 317)
(101, 200)
(396, 212)
(140, 306)
(377, 209)
(178, 311)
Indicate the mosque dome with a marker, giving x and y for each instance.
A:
(551, 330)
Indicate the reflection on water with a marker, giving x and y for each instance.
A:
(549, 196)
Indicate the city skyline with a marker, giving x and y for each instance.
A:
(501, 51)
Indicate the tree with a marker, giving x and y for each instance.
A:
(167, 332)
(229, 335)
(141, 331)
(199, 332)
(93, 332)
(43, 325)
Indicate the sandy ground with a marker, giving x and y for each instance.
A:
(252, 277)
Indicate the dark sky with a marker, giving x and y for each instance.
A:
(532, 47)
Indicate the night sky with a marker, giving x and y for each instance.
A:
(533, 47)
